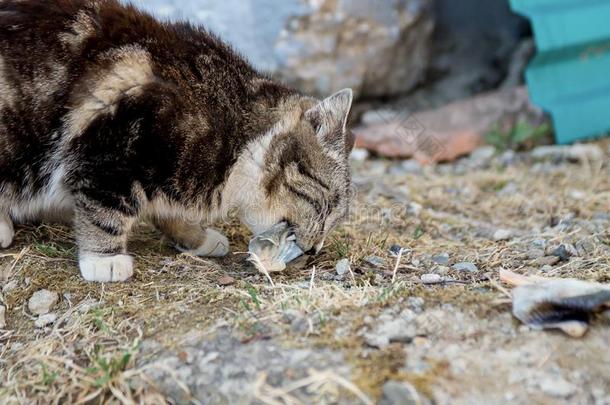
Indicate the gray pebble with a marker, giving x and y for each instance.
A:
(482, 156)
(342, 267)
(576, 153)
(359, 155)
(563, 252)
(508, 158)
(465, 266)
(414, 209)
(45, 320)
(557, 387)
(431, 279)
(42, 302)
(539, 243)
(502, 235)
(442, 259)
(399, 393)
(10, 286)
(395, 249)
(411, 166)
(375, 261)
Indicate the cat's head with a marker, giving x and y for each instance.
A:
(306, 178)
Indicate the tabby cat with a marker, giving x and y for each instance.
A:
(109, 116)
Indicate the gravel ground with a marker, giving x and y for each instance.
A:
(403, 306)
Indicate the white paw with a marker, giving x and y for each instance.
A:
(6, 233)
(215, 245)
(106, 269)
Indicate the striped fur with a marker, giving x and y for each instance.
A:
(108, 116)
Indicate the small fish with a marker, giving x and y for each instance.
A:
(553, 303)
(273, 249)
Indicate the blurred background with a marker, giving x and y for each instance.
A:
(434, 79)
(382, 48)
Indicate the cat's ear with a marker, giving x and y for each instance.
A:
(329, 118)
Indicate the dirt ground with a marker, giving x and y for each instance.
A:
(191, 330)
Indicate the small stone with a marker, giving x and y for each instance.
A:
(375, 261)
(577, 195)
(45, 320)
(548, 152)
(412, 166)
(502, 235)
(557, 387)
(575, 153)
(431, 279)
(482, 155)
(546, 268)
(563, 252)
(508, 158)
(585, 152)
(2, 317)
(539, 243)
(414, 209)
(395, 249)
(465, 266)
(226, 281)
(399, 393)
(441, 259)
(546, 261)
(359, 155)
(42, 302)
(10, 286)
(342, 267)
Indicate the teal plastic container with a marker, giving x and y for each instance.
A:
(570, 76)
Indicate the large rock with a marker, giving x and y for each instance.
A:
(445, 133)
(319, 46)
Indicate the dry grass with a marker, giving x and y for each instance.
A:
(90, 354)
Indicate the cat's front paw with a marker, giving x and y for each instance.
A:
(7, 233)
(215, 245)
(106, 269)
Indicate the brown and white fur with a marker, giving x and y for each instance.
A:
(108, 116)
